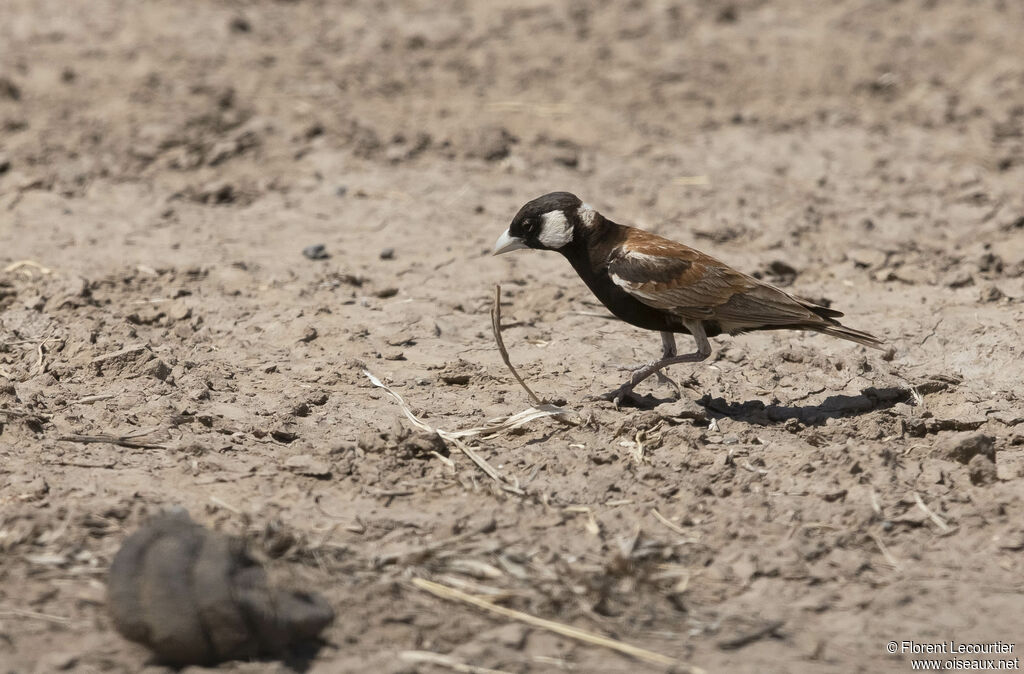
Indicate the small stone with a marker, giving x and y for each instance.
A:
(682, 409)
(178, 311)
(490, 143)
(158, 369)
(982, 470)
(782, 269)
(960, 279)
(991, 294)
(9, 90)
(387, 254)
(57, 662)
(967, 446)
(511, 635)
(867, 258)
(309, 334)
(308, 465)
(240, 24)
(316, 252)
(282, 435)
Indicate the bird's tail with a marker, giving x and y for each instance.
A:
(844, 332)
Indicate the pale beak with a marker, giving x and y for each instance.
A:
(506, 242)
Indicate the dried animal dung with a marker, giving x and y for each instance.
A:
(194, 596)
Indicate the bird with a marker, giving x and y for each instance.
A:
(660, 285)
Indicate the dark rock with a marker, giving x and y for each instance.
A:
(9, 90)
(316, 252)
(991, 293)
(239, 24)
(967, 446)
(490, 143)
(982, 470)
(959, 279)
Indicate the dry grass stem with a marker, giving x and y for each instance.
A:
(35, 615)
(496, 329)
(885, 551)
(120, 440)
(224, 504)
(692, 181)
(494, 426)
(31, 264)
(441, 660)
(664, 520)
(939, 522)
(767, 630)
(451, 594)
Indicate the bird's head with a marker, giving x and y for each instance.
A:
(550, 222)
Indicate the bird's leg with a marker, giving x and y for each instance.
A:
(669, 357)
(668, 350)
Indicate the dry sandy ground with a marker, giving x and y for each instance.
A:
(166, 163)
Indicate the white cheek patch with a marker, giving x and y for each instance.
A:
(586, 214)
(555, 230)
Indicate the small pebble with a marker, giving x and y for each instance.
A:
(316, 252)
(387, 254)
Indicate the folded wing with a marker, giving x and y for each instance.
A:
(675, 278)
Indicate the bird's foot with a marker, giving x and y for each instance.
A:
(665, 379)
(635, 370)
(624, 395)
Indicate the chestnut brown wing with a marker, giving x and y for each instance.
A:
(678, 279)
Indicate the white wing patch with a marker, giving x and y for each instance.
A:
(643, 258)
(555, 230)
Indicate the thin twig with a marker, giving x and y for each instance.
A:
(88, 400)
(430, 548)
(496, 328)
(453, 438)
(224, 504)
(593, 314)
(885, 550)
(120, 440)
(19, 264)
(445, 592)
(25, 613)
(664, 520)
(442, 660)
(939, 522)
(481, 463)
(742, 640)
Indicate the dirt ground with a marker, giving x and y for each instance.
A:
(796, 504)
